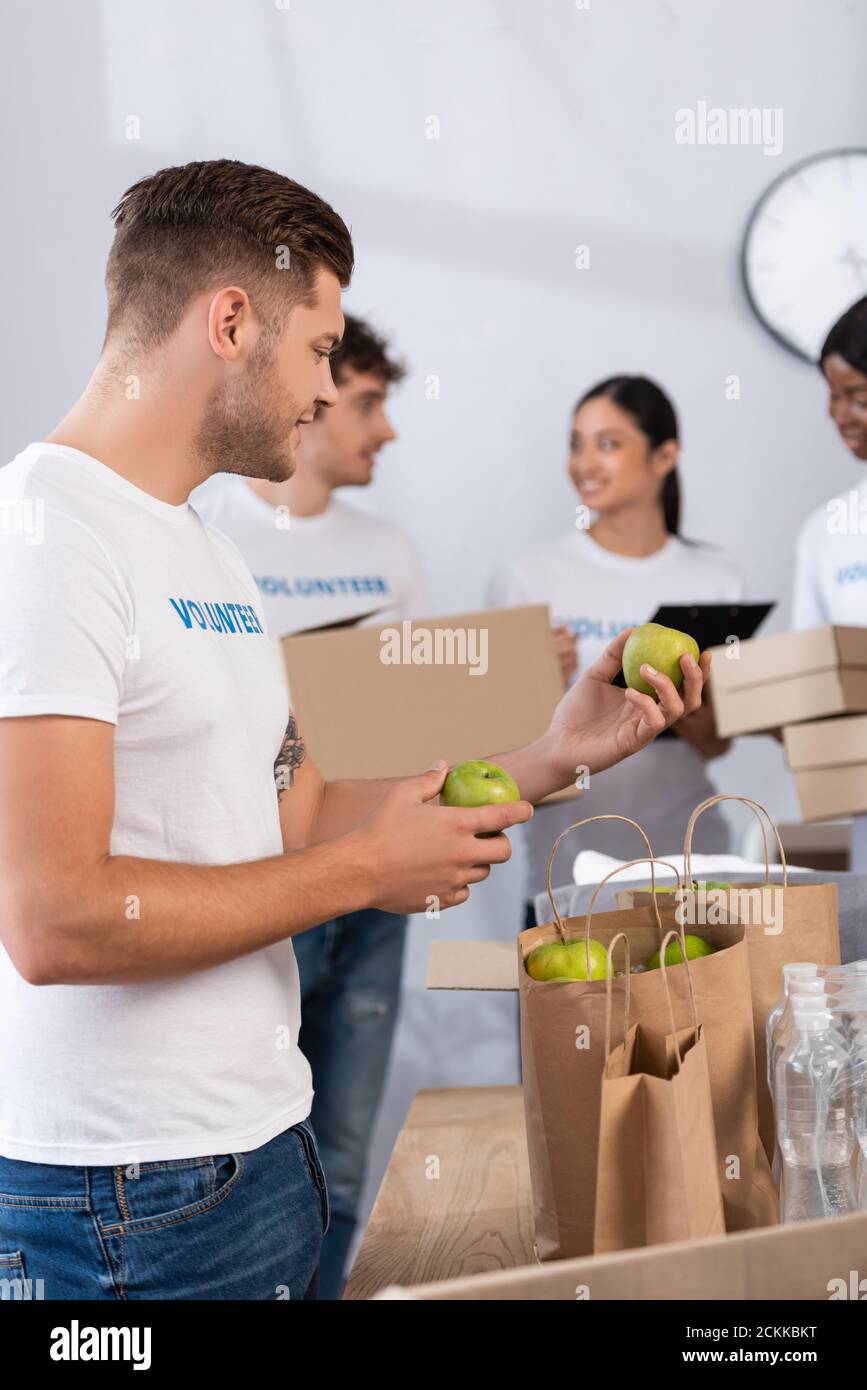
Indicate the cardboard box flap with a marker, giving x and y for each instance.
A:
(803, 1261)
(787, 655)
(477, 684)
(472, 965)
(826, 743)
(817, 695)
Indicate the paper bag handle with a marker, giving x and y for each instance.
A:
(609, 980)
(575, 826)
(677, 936)
(620, 867)
(758, 811)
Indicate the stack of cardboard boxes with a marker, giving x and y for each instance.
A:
(813, 686)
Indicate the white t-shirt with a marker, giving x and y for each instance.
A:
(316, 570)
(120, 607)
(597, 594)
(831, 564)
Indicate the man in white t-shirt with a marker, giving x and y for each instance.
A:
(163, 834)
(319, 561)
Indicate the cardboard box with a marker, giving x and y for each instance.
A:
(789, 678)
(829, 760)
(810, 1260)
(363, 717)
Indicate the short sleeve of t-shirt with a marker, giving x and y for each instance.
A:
(66, 619)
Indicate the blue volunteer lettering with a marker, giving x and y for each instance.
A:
(853, 574)
(219, 617)
(309, 587)
(595, 627)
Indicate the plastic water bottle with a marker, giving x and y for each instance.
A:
(800, 979)
(844, 972)
(814, 1121)
(797, 970)
(848, 1008)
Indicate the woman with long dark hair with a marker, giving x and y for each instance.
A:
(831, 557)
(614, 573)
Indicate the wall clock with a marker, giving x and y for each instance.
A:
(804, 253)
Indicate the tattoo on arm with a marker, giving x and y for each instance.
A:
(291, 756)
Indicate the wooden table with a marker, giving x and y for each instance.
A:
(455, 1198)
(475, 1218)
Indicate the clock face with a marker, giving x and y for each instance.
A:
(804, 257)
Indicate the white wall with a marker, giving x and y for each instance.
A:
(557, 128)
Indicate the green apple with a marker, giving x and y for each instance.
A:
(567, 960)
(479, 783)
(660, 647)
(695, 946)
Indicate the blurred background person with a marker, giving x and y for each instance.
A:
(624, 447)
(318, 560)
(831, 559)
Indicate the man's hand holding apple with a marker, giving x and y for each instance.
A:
(419, 854)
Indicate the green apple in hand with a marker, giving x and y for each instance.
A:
(660, 647)
(567, 960)
(478, 783)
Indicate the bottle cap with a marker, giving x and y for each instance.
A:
(802, 989)
(799, 970)
(811, 1004)
(812, 1023)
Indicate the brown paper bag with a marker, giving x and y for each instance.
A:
(658, 1178)
(562, 1048)
(784, 922)
(796, 922)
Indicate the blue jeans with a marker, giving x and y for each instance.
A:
(226, 1226)
(350, 971)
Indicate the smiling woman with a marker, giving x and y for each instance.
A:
(844, 363)
(610, 573)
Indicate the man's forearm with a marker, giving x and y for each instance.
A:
(345, 803)
(132, 920)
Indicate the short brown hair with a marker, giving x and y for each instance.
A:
(194, 226)
(361, 349)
